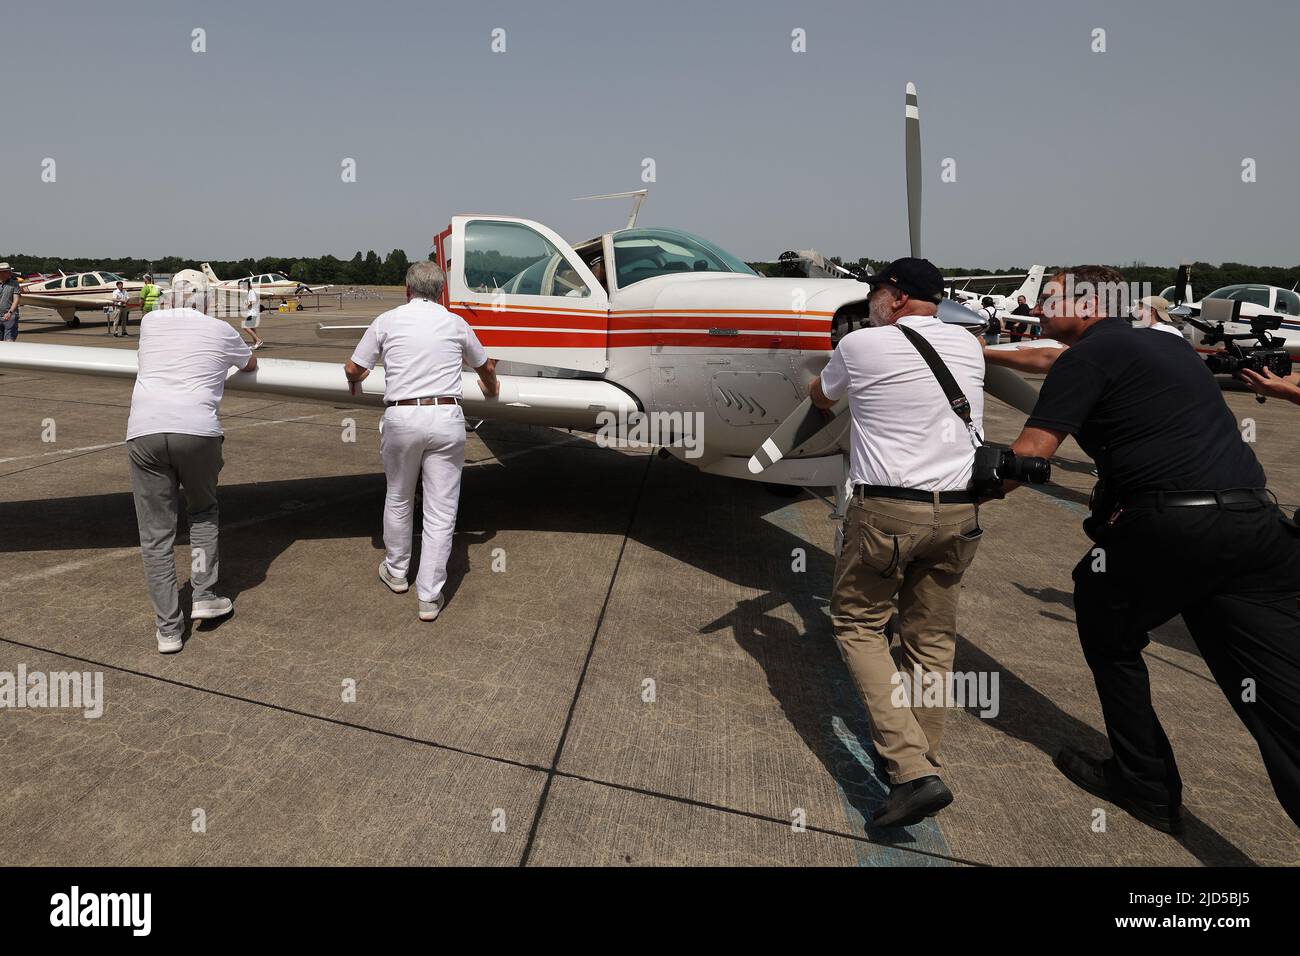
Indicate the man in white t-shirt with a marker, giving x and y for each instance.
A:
(913, 526)
(121, 310)
(173, 440)
(252, 307)
(422, 347)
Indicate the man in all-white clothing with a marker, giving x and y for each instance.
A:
(422, 347)
(173, 441)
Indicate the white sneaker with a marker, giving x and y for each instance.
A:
(429, 610)
(168, 645)
(395, 584)
(207, 610)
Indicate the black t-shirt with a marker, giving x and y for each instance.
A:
(1148, 411)
(1022, 309)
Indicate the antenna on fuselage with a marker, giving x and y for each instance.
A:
(636, 195)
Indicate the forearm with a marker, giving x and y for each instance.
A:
(818, 395)
(1035, 359)
(1034, 443)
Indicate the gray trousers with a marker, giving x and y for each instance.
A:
(162, 464)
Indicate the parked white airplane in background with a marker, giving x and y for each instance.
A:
(1033, 282)
(1255, 298)
(269, 285)
(78, 292)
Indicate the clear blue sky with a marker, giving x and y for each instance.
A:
(1062, 154)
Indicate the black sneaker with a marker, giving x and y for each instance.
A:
(910, 803)
(1100, 779)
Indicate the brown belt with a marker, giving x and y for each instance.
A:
(435, 400)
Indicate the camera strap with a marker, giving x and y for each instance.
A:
(957, 400)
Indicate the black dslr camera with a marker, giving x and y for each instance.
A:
(1268, 352)
(996, 465)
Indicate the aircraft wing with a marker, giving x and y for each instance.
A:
(561, 402)
(80, 303)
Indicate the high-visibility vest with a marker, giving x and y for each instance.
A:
(149, 297)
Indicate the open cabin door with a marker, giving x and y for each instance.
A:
(525, 292)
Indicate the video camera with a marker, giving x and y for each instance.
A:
(996, 465)
(1269, 352)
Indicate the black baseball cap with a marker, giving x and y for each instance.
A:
(919, 278)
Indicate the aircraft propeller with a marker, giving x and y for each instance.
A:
(807, 426)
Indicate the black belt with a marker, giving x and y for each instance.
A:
(432, 400)
(1196, 499)
(963, 497)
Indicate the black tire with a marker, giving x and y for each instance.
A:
(74, 322)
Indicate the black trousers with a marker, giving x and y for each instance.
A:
(1233, 574)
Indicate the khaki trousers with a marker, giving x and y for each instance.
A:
(915, 551)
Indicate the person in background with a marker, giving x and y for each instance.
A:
(10, 295)
(993, 325)
(252, 313)
(121, 310)
(1152, 312)
(149, 296)
(1017, 330)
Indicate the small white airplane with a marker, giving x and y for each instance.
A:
(1029, 288)
(269, 285)
(68, 294)
(1255, 298)
(634, 321)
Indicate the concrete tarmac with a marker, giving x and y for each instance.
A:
(634, 666)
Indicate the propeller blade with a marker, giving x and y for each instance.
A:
(913, 154)
(1003, 383)
(800, 427)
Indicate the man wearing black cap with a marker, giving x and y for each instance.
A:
(913, 526)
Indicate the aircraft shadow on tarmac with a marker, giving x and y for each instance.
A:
(804, 671)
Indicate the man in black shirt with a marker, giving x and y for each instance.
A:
(1017, 329)
(1183, 525)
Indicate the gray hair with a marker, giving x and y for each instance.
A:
(425, 280)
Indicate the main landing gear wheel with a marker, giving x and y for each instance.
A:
(73, 323)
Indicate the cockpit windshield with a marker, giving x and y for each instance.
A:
(1252, 294)
(646, 253)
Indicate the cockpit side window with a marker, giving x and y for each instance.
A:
(517, 260)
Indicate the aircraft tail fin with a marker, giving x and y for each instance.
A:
(209, 274)
(1030, 287)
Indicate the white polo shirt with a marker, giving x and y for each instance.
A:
(422, 347)
(184, 359)
(905, 435)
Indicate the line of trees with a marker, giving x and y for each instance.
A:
(362, 269)
(369, 269)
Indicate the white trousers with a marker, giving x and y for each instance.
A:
(422, 442)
